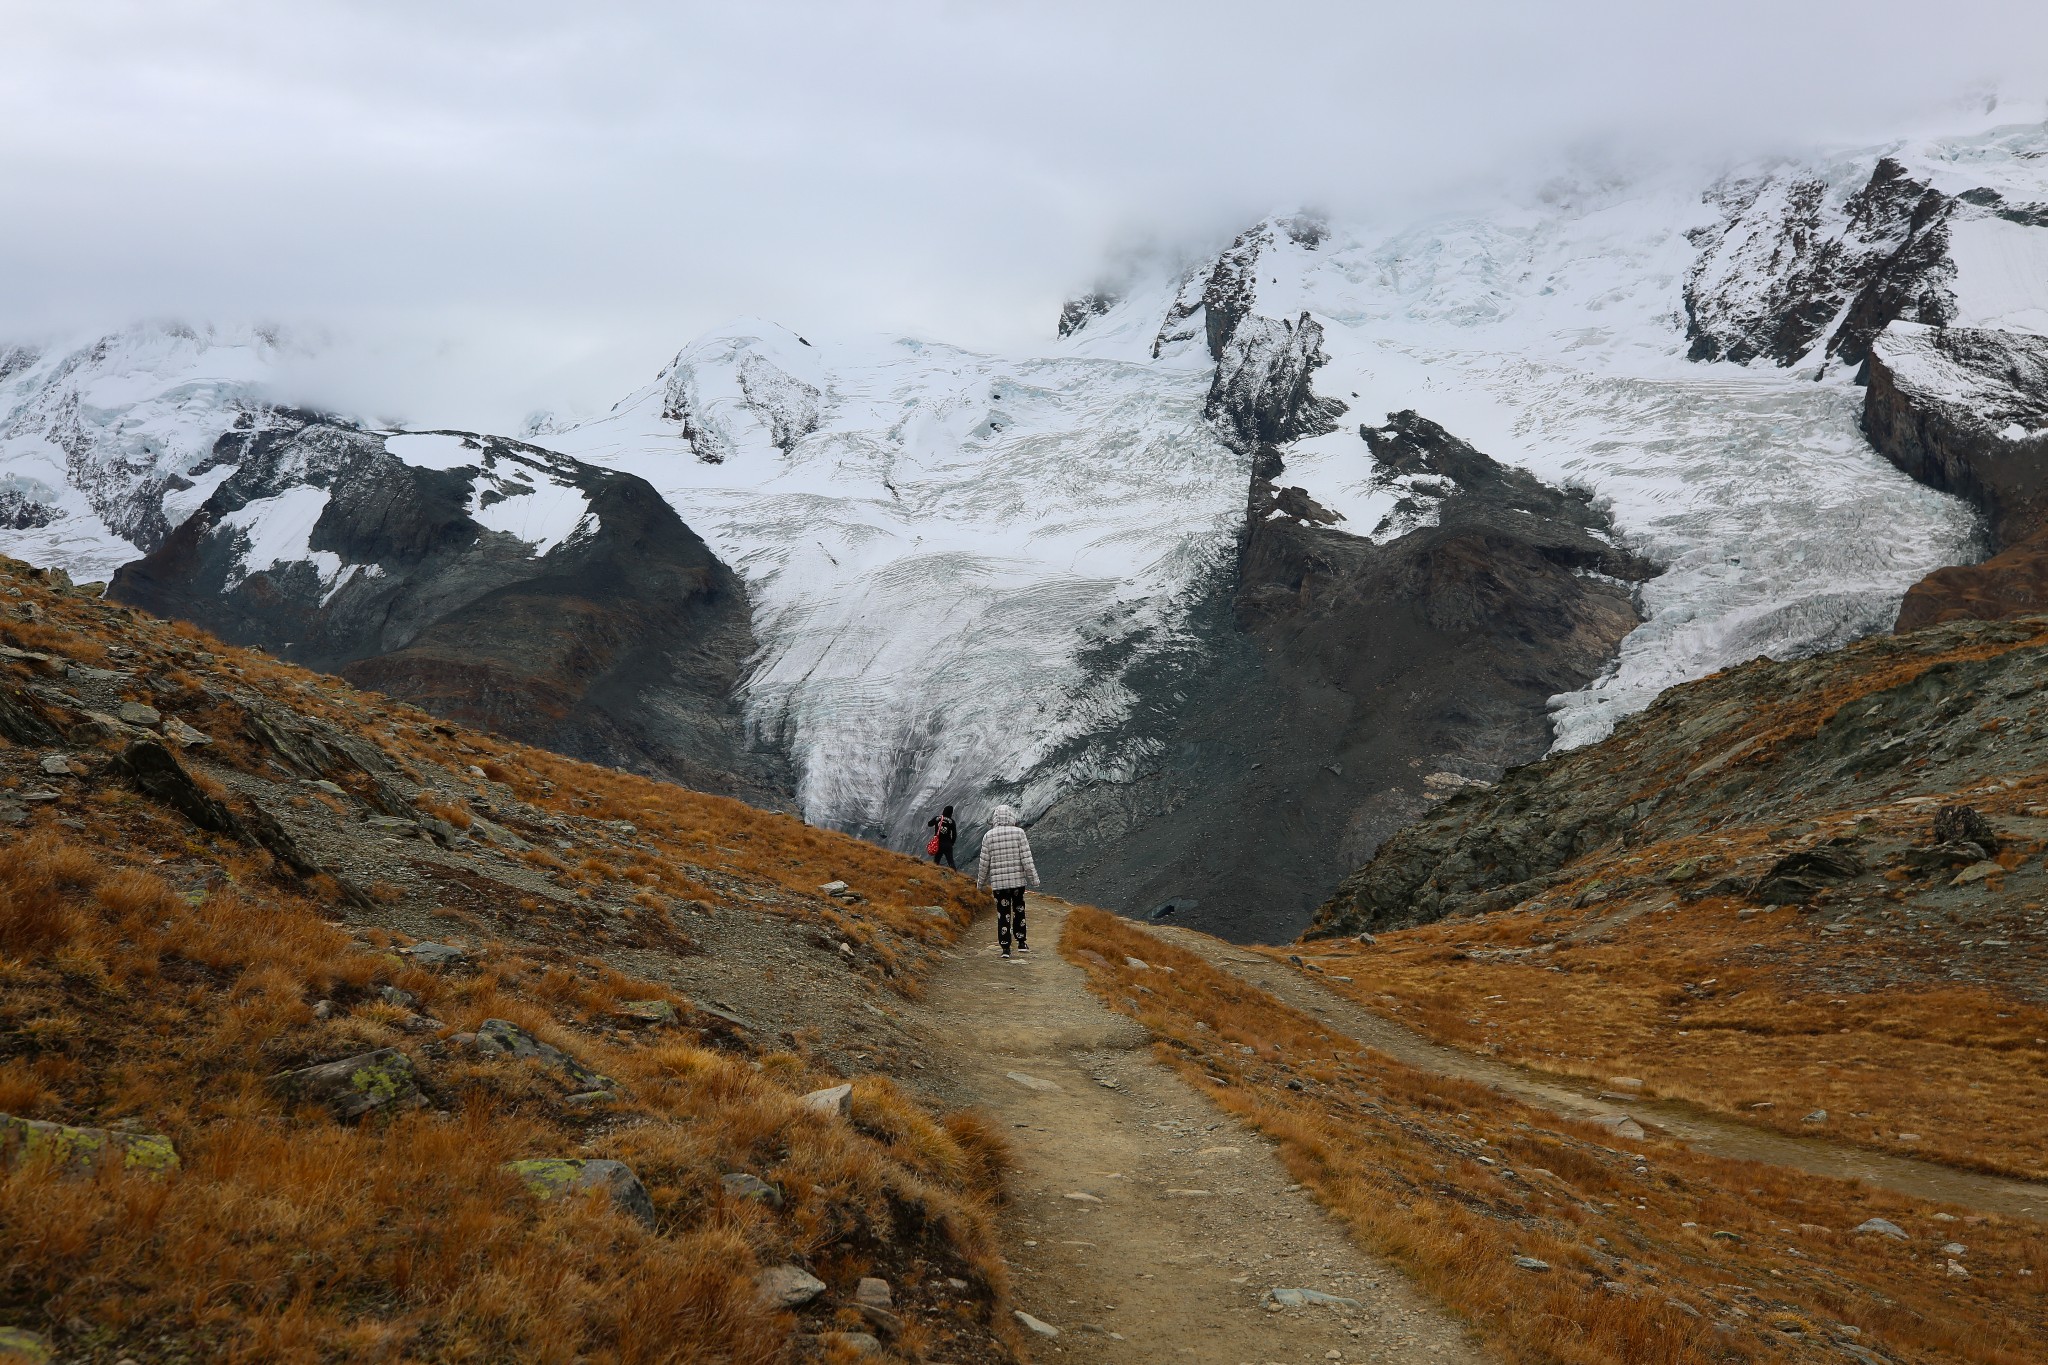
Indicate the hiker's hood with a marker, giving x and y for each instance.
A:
(1005, 815)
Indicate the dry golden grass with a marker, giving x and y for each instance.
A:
(154, 973)
(1696, 1259)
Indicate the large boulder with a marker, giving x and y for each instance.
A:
(351, 1087)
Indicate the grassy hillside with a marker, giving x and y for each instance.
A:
(216, 870)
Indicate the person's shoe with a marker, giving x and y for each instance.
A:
(1021, 950)
(1008, 958)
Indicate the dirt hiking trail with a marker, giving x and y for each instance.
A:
(1705, 1131)
(1144, 1223)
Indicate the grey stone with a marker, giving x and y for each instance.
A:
(1954, 1249)
(876, 1291)
(431, 954)
(1034, 1325)
(1884, 1226)
(742, 1185)
(832, 888)
(503, 1038)
(548, 1177)
(1308, 1298)
(183, 735)
(333, 789)
(57, 765)
(86, 1151)
(404, 999)
(135, 713)
(354, 1086)
(1030, 1082)
(787, 1286)
(1817, 1116)
(1532, 1264)
(881, 1319)
(836, 1100)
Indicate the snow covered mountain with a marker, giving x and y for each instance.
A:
(1098, 580)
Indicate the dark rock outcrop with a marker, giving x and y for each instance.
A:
(1883, 718)
(1341, 686)
(1966, 411)
(621, 643)
(1784, 264)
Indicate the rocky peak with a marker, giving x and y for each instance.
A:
(1789, 269)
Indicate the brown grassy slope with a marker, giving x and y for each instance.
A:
(152, 974)
(1601, 912)
(1678, 1258)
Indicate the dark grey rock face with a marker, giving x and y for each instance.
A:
(1786, 270)
(1341, 687)
(1076, 312)
(1966, 411)
(621, 644)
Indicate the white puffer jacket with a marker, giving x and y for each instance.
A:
(1005, 860)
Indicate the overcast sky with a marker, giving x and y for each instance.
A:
(502, 205)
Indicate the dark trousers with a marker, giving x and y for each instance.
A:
(945, 855)
(1010, 916)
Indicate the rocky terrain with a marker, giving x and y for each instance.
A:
(1966, 410)
(1360, 679)
(609, 1065)
(490, 581)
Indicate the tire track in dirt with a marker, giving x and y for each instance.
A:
(1143, 1222)
(1708, 1132)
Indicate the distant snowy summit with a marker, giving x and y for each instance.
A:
(969, 577)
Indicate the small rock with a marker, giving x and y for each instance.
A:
(652, 1012)
(503, 1038)
(323, 1009)
(1030, 1082)
(836, 1100)
(741, 1185)
(1137, 964)
(135, 713)
(787, 1286)
(1034, 1325)
(1883, 1226)
(1977, 872)
(62, 765)
(1817, 1116)
(19, 1346)
(394, 995)
(1728, 1237)
(41, 795)
(882, 1319)
(354, 1086)
(1531, 1263)
(547, 1177)
(832, 888)
(322, 785)
(1081, 1197)
(1625, 1082)
(393, 824)
(1909, 1137)
(874, 1291)
(1306, 1298)
(1620, 1125)
(85, 1151)
(427, 953)
(183, 735)
(1957, 1271)
(1954, 1249)
(1368, 940)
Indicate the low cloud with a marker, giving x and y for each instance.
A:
(504, 206)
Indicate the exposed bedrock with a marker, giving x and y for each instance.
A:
(622, 642)
(1787, 270)
(1342, 686)
(1966, 410)
(1886, 717)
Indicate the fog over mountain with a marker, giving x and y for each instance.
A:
(468, 211)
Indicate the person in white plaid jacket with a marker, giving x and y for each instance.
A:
(1005, 865)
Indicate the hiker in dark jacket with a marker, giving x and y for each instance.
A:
(1006, 866)
(940, 845)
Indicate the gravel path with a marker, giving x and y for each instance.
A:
(1145, 1223)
